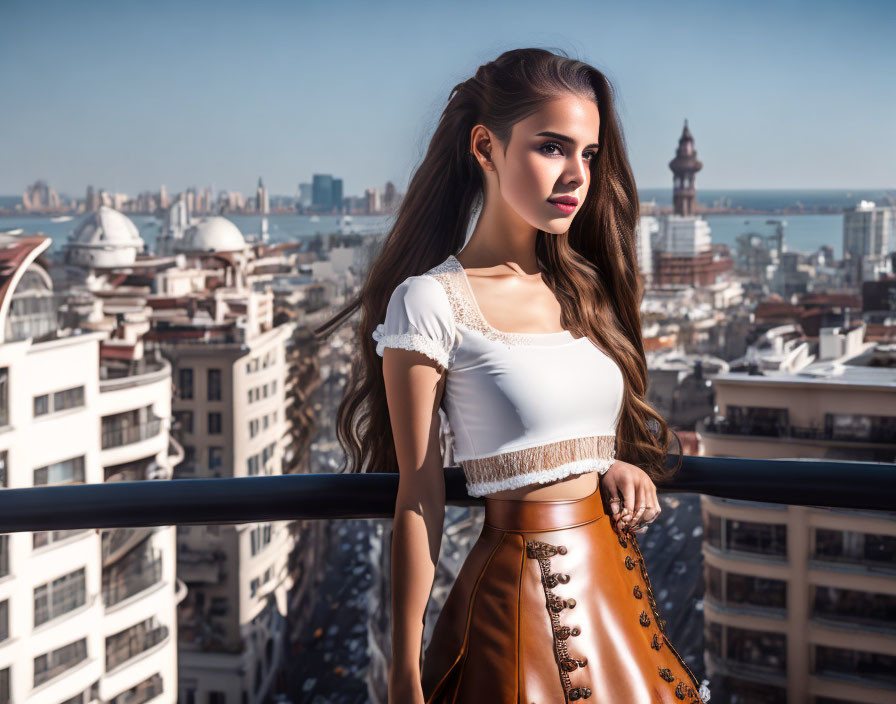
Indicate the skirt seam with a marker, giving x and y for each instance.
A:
(463, 647)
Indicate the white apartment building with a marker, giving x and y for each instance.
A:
(85, 615)
(869, 235)
(230, 371)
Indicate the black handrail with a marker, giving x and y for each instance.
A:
(823, 483)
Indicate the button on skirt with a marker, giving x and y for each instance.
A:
(552, 606)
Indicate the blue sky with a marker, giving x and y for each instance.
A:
(128, 95)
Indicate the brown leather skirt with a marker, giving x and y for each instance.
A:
(552, 606)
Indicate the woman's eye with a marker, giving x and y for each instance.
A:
(554, 145)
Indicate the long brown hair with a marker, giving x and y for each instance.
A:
(592, 269)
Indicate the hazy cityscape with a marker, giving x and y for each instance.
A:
(165, 333)
(193, 355)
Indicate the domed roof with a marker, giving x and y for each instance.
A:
(212, 234)
(105, 238)
(107, 226)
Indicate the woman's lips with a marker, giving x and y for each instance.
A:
(566, 208)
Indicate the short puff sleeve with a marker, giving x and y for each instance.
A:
(418, 318)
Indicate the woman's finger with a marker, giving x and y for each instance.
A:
(628, 498)
(642, 505)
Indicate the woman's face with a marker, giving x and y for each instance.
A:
(549, 157)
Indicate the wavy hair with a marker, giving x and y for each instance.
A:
(592, 268)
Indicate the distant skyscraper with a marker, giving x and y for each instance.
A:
(262, 202)
(869, 234)
(390, 197)
(337, 194)
(322, 192)
(40, 196)
(684, 167)
(163, 197)
(91, 202)
(305, 195)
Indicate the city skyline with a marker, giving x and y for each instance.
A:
(765, 97)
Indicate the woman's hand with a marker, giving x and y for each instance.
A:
(632, 497)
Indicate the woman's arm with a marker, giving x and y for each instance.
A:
(414, 386)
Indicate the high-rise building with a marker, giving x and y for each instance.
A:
(326, 193)
(799, 599)
(337, 195)
(869, 234)
(262, 202)
(40, 196)
(91, 200)
(305, 198)
(85, 615)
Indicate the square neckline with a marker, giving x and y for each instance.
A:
(478, 312)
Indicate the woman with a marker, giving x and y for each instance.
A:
(528, 335)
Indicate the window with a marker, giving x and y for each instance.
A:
(4, 401)
(253, 427)
(4, 555)
(871, 668)
(4, 456)
(41, 405)
(49, 665)
(148, 689)
(259, 538)
(854, 547)
(127, 644)
(185, 421)
(129, 427)
(214, 384)
(758, 649)
(214, 423)
(59, 596)
(217, 698)
(215, 457)
(66, 472)
(69, 398)
(185, 382)
(853, 606)
(4, 627)
(40, 539)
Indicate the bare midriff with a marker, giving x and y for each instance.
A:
(574, 487)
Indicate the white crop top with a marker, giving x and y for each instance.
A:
(523, 408)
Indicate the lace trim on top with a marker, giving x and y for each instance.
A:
(540, 464)
(410, 340)
(450, 273)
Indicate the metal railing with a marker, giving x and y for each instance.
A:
(116, 437)
(796, 432)
(822, 483)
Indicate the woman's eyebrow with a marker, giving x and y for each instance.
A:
(563, 138)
